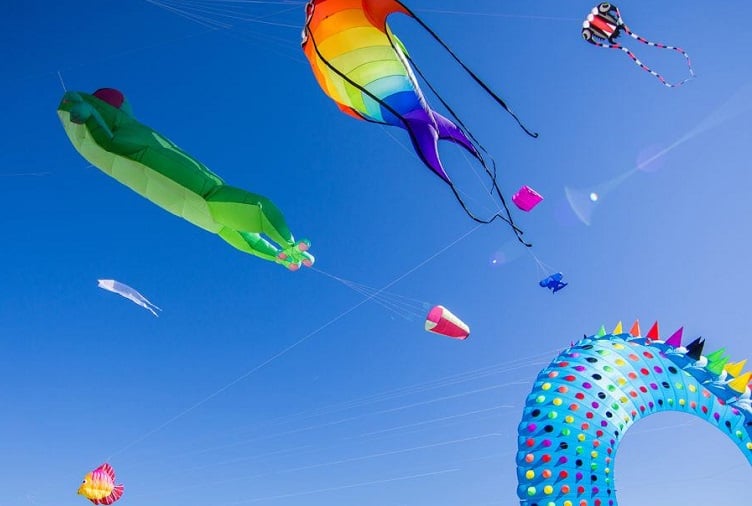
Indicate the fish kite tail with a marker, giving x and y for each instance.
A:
(425, 135)
(116, 494)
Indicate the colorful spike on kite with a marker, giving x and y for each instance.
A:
(583, 403)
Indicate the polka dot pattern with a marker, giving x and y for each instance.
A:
(585, 400)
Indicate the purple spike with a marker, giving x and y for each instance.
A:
(676, 338)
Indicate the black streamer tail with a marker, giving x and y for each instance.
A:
(492, 173)
(508, 219)
(517, 232)
(470, 72)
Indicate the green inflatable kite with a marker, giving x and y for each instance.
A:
(102, 128)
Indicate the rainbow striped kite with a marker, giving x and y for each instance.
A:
(366, 70)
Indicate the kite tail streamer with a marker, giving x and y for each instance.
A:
(661, 46)
(454, 115)
(469, 71)
(517, 232)
(491, 173)
(475, 218)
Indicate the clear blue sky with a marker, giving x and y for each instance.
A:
(370, 410)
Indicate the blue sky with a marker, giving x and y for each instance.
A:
(365, 408)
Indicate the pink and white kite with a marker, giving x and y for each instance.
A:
(441, 321)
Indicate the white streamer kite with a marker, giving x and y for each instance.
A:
(129, 293)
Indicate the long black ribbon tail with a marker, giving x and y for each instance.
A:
(509, 220)
(492, 173)
(469, 71)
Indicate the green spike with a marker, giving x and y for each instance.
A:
(716, 365)
(601, 331)
(715, 355)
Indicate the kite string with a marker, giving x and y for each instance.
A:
(287, 349)
(62, 83)
(328, 463)
(497, 14)
(542, 266)
(211, 16)
(344, 487)
(419, 388)
(405, 307)
(227, 29)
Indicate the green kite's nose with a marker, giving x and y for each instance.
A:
(79, 112)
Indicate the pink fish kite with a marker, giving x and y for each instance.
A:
(99, 486)
(441, 321)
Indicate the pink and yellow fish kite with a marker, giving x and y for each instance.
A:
(99, 486)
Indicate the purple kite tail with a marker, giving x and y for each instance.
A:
(451, 132)
(425, 136)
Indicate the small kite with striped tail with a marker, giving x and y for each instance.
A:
(603, 26)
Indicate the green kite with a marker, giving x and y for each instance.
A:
(103, 130)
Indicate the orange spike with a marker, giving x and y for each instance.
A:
(653, 332)
(635, 330)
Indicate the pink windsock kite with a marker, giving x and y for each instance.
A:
(441, 321)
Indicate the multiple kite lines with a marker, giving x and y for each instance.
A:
(366, 70)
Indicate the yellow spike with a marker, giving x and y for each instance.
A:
(735, 368)
(740, 383)
(618, 330)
